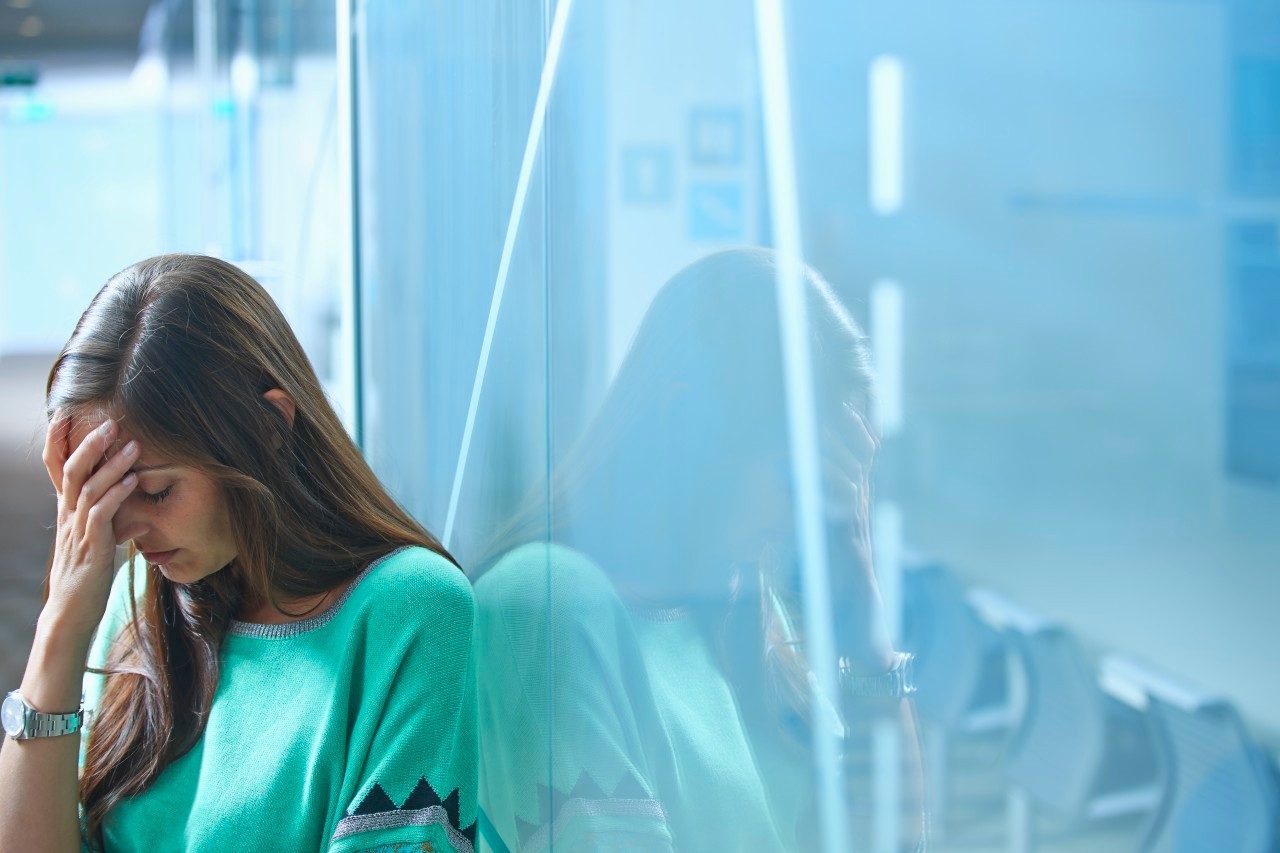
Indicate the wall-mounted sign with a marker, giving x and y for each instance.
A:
(717, 211)
(715, 137)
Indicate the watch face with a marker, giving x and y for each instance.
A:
(13, 715)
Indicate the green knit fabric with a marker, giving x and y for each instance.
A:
(352, 730)
(608, 727)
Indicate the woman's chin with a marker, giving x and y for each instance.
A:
(182, 572)
(171, 573)
(178, 571)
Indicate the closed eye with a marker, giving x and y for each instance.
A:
(157, 497)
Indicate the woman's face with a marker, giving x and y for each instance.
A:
(176, 516)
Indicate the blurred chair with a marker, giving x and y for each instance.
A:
(1223, 791)
(1078, 752)
(960, 673)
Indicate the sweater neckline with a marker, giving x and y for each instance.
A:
(266, 631)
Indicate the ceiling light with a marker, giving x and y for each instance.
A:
(20, 4)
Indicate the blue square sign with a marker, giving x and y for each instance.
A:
(715, 136)
(717, 211)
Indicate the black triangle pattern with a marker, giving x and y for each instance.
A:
(375, 801)
(423, 797)
(551, 800)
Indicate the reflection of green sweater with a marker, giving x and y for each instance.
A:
(351, 730)
(614, 728)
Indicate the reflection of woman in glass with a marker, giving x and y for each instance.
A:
(290, 669)
(645, 682)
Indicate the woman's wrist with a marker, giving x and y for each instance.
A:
(63, 631)
(54, 676)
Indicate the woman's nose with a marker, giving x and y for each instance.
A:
(129, 523)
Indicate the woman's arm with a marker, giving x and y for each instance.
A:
(38, 776)
(38, 783)
(412, 756)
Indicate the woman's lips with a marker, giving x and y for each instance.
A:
(158, 557)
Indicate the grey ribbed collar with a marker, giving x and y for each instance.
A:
(302, 626)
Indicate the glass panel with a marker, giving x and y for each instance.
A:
(734, 349)
(442, 253)
(217, 137)
(249, 149)
(453, 275)
(643, 613)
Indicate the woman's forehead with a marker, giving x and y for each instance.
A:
(89, 419)
(82, 426)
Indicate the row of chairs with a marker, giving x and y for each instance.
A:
(1085, 742)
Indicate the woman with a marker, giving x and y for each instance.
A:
(288, 666)
(647, 685)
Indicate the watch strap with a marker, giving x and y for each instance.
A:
(897, 682)
(40, 724)
(52, 725)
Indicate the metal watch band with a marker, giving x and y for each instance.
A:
(898, 682)
(36, 724)
(52, 725)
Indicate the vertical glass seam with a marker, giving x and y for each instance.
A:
(537, 125)
(547, 398)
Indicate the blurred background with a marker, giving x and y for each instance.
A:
(1056, 223)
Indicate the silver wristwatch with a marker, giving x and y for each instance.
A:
(898, 682)
(21, 721)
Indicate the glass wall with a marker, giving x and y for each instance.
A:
(220, 136)
(763, 362)
(251, 162)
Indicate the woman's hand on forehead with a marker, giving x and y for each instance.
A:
(142, 465)
(122, 438)
(116, 446)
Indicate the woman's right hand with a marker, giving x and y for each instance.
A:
(38, 788)
(85, 544)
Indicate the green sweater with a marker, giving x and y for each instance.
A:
(352, 730)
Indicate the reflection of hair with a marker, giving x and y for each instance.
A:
(699, 396)
(180, 349)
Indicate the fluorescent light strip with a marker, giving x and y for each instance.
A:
(885, 83)
(549, 65)
(347, 373)
(801, 419)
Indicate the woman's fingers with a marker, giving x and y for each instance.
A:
(98, 517)
(79, 465)
(55, 448)
(93, 492)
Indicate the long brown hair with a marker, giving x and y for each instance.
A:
(180, 349)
